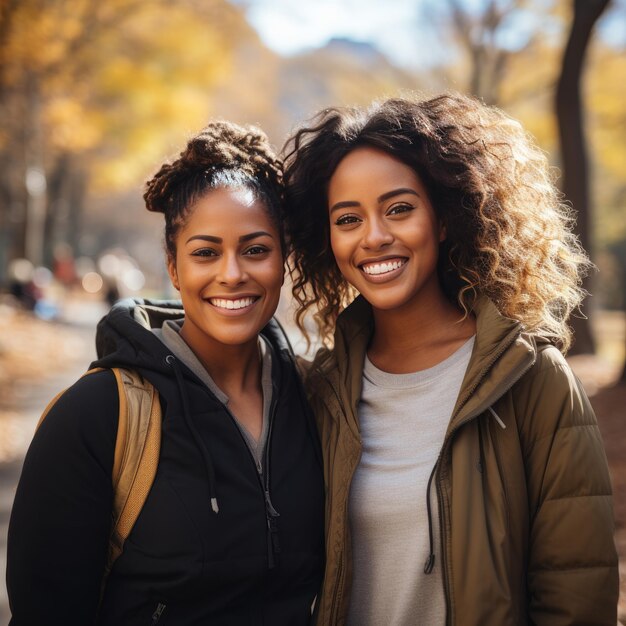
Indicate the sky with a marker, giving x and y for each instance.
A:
(404, 30)
(290, 26)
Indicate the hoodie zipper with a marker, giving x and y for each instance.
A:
(263, 477)
(273, 546)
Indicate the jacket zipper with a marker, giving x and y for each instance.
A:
(335, 604)
(508, 384)
(156, 616)
(334, 609)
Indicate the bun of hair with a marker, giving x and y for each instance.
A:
(225, 145)
(219, 146)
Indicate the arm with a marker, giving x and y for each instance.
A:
(572, 563)
(61, 517)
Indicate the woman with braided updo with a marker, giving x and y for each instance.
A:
(231, 531)
(466, 481)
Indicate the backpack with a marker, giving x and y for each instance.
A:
(136, 455)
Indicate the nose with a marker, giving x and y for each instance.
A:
(231, 272)
(376, 234)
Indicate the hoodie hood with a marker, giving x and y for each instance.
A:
(124, 336)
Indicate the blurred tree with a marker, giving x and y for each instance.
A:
(477, 33)
(569, 114)
(607, 133)
(490, 33)
(100, 87)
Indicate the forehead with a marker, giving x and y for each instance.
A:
(229, 209)
(366, 168)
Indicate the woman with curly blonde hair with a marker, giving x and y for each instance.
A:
(465, 475)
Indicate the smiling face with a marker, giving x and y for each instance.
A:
(228, 269)
(384, 232)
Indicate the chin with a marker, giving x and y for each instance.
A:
(385, 305)
(385, 302)
(237, 338)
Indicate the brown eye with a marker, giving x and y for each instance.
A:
(397, 209)
(255, 250)
(347, 219)
(204, 252)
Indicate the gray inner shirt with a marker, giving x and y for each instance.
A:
(170, 335)
(403, 420)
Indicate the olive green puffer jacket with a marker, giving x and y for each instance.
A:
(522, 482)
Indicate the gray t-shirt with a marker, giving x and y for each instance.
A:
(403, 420)
(170, 335)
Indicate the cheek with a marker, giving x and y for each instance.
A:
(338, 246)
(274, 276)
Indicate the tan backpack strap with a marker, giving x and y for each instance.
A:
(136, 454)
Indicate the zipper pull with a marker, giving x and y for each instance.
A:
(273, 547)
(156, 616)
(269, 506)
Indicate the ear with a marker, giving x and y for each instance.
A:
(171, 270)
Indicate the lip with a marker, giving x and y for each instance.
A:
(234, 312)
(386, 276)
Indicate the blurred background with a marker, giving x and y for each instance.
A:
(95, 95)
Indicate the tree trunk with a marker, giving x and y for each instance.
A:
(573, 147)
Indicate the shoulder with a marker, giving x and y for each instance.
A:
(318, 373)
(84, 414)
(550, 375)
(550, 397)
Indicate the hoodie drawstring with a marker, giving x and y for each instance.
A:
(206, 457)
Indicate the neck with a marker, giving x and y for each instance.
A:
(234, 368)
(418, 335)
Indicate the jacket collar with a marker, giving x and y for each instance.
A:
(502, 354)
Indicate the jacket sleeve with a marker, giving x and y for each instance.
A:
(61, 517)
(572, 562)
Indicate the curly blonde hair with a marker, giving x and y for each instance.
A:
(222, 154)
(508, 230)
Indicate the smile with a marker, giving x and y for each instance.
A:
(240, 303)
(376, 269)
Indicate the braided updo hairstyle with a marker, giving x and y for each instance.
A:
(223, 154)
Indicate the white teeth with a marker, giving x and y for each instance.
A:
(382, 268)
(231, 304)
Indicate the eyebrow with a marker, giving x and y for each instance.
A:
(385, 196)
(242, 239)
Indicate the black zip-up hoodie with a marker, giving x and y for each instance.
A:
(217, 542)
